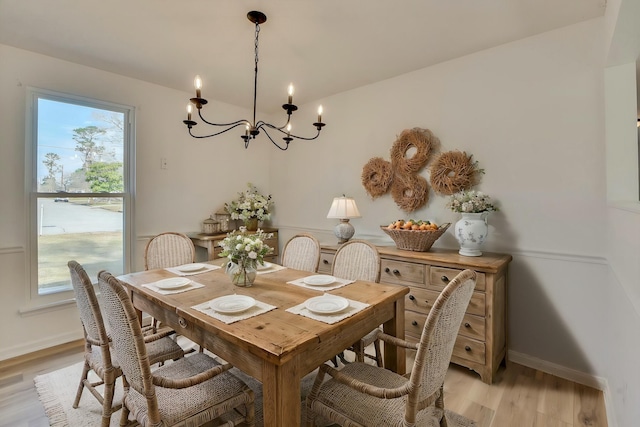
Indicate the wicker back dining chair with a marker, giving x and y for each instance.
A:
(358, 260)
(190, 391)
(301, 252)
(169, 249)
(97, 354)
(364, 395)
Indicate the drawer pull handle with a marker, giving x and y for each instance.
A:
(324, 261)
(414, 323)
(396, 272)
(412, 298)
(445, 279)
(387, 270)
(467, 348)
(182, 322)
(467, 325)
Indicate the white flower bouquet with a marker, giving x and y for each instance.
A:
(471, 201)
(246, 250)
(250, 205)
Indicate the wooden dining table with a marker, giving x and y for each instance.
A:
(277, 347)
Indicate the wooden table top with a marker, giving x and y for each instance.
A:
(275, 336)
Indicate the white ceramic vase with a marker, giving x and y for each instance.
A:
(471, 231)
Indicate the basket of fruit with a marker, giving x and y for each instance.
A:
(412, 235)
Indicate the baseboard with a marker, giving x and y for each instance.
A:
(31, 347)
(579, 377)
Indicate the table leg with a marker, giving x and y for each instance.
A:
(281, 394)
(395, 357)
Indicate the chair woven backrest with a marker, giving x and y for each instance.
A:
(357, 260)
(302, 252)
(438, 338)
(168, 250)
(127, 339)
(89, 308)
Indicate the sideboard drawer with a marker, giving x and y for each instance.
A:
(469, 349)
(421, 300)
(439, 278)
(326, 262)
(472, 326)
(399, 272)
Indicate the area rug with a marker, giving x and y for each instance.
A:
(57, 391)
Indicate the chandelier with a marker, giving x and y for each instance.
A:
(252, 128)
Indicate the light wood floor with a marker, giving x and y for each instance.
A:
(520, 396)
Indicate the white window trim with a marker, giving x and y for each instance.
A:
(35, 301)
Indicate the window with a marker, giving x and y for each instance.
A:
(80, 178)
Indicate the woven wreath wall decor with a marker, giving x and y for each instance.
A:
(454, 171)
(409, 190)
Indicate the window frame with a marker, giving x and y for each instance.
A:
(34, 297)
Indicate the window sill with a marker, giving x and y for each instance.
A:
(41, 308)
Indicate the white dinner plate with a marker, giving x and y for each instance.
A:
(190, 268)
(326, 304)
(230, 304)
(264, 266)
(172, 283)
(319, 280)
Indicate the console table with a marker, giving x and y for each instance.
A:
(211, 242)
(482, 339)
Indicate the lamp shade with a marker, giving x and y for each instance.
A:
(343, 208)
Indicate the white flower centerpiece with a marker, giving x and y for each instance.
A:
(471, 231)
(250, 207)
(245, 252)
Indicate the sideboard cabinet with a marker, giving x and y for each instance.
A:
(211, 242)
(482, 339)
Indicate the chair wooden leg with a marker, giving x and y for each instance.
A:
(376, 345)
(85, 373)
(439, 403)
(107, 403)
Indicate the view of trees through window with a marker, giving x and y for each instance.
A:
(80, 194)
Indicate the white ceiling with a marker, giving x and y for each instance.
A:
(323, 46)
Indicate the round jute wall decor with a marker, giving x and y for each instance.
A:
(377, 175)
(453, 171)
(410, 192)
(423, 140)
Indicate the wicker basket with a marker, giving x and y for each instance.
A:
(415, 240)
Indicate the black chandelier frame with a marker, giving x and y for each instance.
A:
(253, 128)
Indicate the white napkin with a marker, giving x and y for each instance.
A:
(337, 284)
(189, 287)
(354, 307)
(207, 268)
(271, 269)
(257, 309)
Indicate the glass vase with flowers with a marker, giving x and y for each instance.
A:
(245, 252)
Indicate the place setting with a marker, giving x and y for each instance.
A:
(328, 308)
(268, 267)
(321, 282)
(232, 308)
(173, 285)
(192, 269)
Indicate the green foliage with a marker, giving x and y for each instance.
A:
(105, 177)
(88, 145)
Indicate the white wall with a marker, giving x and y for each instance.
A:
(530, 113)
(200, 177)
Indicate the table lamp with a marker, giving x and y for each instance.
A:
(343, 208)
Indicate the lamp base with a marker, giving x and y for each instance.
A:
(344, 231)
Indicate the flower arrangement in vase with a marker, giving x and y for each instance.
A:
(250, 207)
(471, 231)
(244, 251)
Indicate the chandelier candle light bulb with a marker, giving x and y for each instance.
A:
(197, 82)
(290, 93)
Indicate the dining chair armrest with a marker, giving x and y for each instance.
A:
(190, 381)
(379, 392)
(397, 341)
(161, 333)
